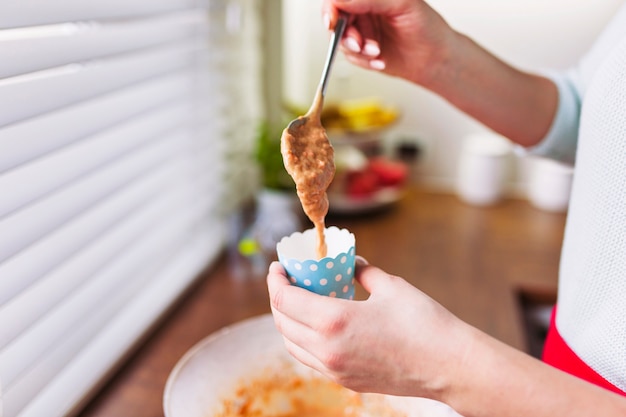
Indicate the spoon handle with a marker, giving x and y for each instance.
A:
(334, 42)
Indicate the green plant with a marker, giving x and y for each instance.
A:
(270, 160)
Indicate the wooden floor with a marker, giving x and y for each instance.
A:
(474, 261)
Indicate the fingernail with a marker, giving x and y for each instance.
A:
(352, 45)
(371, 49)
(377, 64)
(361, 260)
(326, 20)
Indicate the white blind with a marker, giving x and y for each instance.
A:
(125, 126)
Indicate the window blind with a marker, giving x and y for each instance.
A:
(126, 132)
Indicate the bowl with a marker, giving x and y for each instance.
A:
(209, 379)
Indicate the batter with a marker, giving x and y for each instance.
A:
(309, 159)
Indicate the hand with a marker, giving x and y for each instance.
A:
(410, 40)
(404, 38)
(401, 342)
(398, 341)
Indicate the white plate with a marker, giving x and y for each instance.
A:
(343, 204)
(209, 372)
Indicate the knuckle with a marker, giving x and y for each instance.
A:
(335, 361)
(349, 382)
(355, 385)
(335, 325)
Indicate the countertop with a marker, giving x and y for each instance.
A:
(473, 260)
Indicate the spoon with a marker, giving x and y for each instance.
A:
(316, 107)
(307, 153)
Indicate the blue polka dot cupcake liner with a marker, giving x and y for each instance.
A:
(333, 275)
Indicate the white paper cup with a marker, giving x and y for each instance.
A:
(483, 168)
(333, 275)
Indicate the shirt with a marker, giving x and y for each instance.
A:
(589, 130)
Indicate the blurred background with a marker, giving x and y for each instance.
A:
(139, 139)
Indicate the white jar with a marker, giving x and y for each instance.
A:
(483, 168)
(549, 184)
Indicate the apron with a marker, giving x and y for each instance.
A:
(557, 353)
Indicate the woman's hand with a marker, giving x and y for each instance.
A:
(401, 342)
(404, 38)
(410, 40)
(398, 341)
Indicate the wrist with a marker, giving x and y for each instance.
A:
(460, 370)
(443, 71)
(437, 69)
(444, 378)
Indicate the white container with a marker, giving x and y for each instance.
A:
(549, 184)
(212, 372)
(483, 168)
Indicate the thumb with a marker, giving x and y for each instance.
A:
(331, 8)
(373, 279)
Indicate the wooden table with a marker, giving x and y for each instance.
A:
(473, 260)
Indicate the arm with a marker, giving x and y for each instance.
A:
(502, 381)
(408, 39)
(516, 104)
(401, 342)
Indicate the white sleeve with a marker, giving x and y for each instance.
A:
(561, 141)
(562, 138)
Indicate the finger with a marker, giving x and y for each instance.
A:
(302, 342)
(310, 339)
(371, 48)
(360, 262)
(363, 61)
(353, 41)
(278, 284)
(280, 288)
(297, 303)
(329, 15)
(304, 356)
(368, 28)
(277, 268)
(298, 334)
(373, 279)
(276, 278)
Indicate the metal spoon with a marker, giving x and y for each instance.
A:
(316, 107)
(307, 153)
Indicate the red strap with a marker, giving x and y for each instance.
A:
(557, 353)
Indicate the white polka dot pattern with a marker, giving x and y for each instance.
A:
(333, 278)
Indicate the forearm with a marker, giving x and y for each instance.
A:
(497, 380)
(518, 105)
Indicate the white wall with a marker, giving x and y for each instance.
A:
(530, 34)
